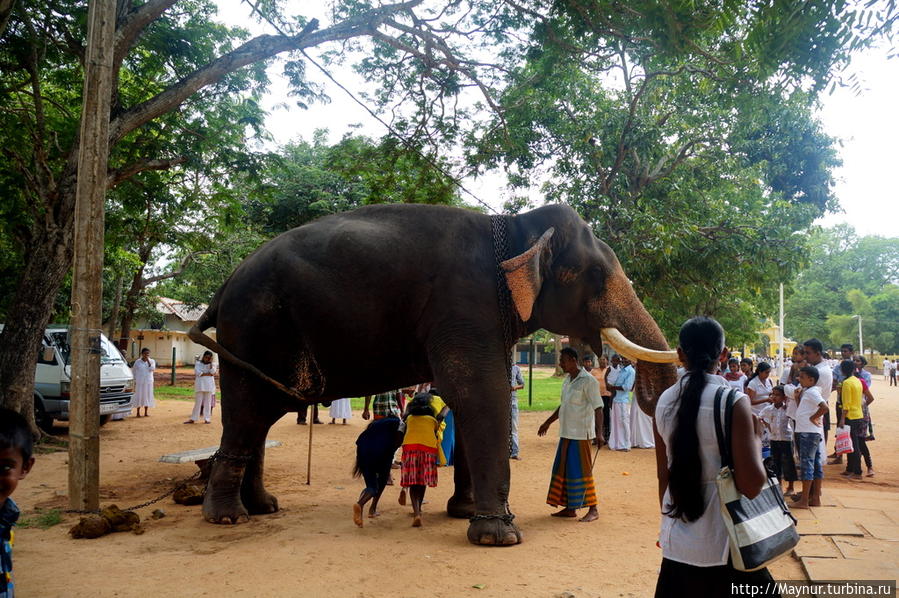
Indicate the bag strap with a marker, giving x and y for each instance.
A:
(724, 435)
(719, 433)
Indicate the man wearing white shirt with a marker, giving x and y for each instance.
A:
(814, 356)
(580, 421)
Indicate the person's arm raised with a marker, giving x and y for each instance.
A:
(746, 448)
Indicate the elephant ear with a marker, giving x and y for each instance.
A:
(523, 275)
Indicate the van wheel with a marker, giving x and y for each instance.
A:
(104, 419)
(44, 421)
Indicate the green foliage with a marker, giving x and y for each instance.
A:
(847, 276)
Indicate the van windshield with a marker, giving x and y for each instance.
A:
(109, 353)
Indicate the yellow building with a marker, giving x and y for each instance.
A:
(771, 333)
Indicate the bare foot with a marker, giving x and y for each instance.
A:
(190, 421)
(870, 473)
(357, 514)
(800, 505)
(590, 516)
(402, 497)
(565, 513)
(373, 514)
(814, 503)
(416, 521)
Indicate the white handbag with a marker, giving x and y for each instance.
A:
(761, 529)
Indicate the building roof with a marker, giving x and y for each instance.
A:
(180, 310)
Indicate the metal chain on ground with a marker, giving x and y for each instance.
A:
(218, 455)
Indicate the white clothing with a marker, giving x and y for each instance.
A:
(580, 400)
(205, 401)
(704, 542)
(808, 405)
(738, 383)
(620, 434)
(641, 427)
(789, 390)
(780, 428)
(612, 375)
(143, 383)
(762, 390)
(825, 380)
(204, 383)
(340, 409)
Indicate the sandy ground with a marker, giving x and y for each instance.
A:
(312, 548)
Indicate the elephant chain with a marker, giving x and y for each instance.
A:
(504, 296)
(217, 456)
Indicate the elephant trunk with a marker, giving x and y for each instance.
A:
(642, 342)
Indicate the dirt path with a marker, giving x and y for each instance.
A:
(312, 548)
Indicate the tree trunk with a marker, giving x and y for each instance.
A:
(131, 297)
(116, 305)
(557, 352)
(46, 267)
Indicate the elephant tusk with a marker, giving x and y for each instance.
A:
(634, 351)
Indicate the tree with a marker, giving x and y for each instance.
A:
(846, 275)
(686, 137)
(169, 56)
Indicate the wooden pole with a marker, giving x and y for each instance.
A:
(87, 282)
(311, 422)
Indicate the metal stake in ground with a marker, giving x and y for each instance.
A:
(309, 459)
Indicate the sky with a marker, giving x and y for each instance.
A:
(865, 124)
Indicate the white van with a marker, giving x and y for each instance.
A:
(53, 376)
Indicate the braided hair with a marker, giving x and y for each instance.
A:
(702, 340)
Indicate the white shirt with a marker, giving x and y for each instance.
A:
(808, 405)
(613, 375)
(703, 542)
(779, 426)
(789, 391)
(762, 389)
(580, 400)
(204, 383)
(143, 370)
(738, 383)
(825, 380)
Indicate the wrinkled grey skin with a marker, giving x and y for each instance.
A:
(412, 289)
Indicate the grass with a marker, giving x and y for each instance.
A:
(43, 520)
(546, 391)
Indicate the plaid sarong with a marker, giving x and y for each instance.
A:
(419, 467)
(572, 482)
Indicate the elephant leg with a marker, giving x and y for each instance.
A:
(234, 489)
(252, 491)
(461, 503)
(478, 391)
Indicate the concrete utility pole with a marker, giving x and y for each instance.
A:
(87, 283)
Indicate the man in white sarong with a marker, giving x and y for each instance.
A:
(143, 370)
(641, 427)
(204, 389)
(620, 437)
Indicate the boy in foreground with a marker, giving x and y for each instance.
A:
(15, 463)
(810, 432)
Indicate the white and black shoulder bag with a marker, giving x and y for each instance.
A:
(761, 529)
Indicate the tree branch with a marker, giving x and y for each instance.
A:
(254, 50)
(120, 175)
(184, 262)
(129, 28)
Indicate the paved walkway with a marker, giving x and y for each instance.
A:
(855, 535)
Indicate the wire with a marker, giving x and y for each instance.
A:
(407, 143)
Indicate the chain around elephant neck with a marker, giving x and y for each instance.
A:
(509, 317)
(504, 296)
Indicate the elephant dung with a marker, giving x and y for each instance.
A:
(119, 520)
(92, 526)
(190, 494)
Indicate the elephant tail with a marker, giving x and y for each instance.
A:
(357, 471)
(208, 320)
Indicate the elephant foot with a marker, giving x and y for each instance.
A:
(224, 511)
(260, 503)
(460, 506)
(494, 531)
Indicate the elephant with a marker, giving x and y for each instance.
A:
(423, 293)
